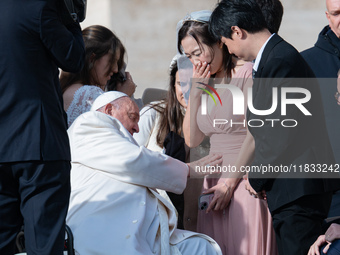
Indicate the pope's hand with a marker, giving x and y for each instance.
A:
(202, 167)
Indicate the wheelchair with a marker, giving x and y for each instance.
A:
(68, 244)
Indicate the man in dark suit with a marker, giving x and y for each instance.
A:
(324, 59)
(34, 147)
(297, 201)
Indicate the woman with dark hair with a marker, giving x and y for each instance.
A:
(169, 113)
(160, 118)
(104, 57)
(240, 223)
(160, 129)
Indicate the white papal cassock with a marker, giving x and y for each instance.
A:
(114, 208)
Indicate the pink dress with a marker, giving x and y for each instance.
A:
(245, 226)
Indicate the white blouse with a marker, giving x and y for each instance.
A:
(148, 128)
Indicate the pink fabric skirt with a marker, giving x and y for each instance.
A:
(243, 228)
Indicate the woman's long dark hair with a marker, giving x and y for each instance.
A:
(170, 110)
(200, 32)
(98, 41)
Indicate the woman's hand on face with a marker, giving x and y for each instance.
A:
(128, 86)
(201, 71)
(201, 75)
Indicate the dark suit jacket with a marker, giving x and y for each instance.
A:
(324, 60)
(34, 43)
(307, 143)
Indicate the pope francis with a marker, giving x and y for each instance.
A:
(114, 206)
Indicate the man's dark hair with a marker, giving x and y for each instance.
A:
(272, 11)
(245, 14)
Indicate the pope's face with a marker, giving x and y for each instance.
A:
(128, 115)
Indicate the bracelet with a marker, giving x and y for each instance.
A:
(225, 184)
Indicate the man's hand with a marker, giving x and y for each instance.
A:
(337, 94)
(315, 247)
(333, 232)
